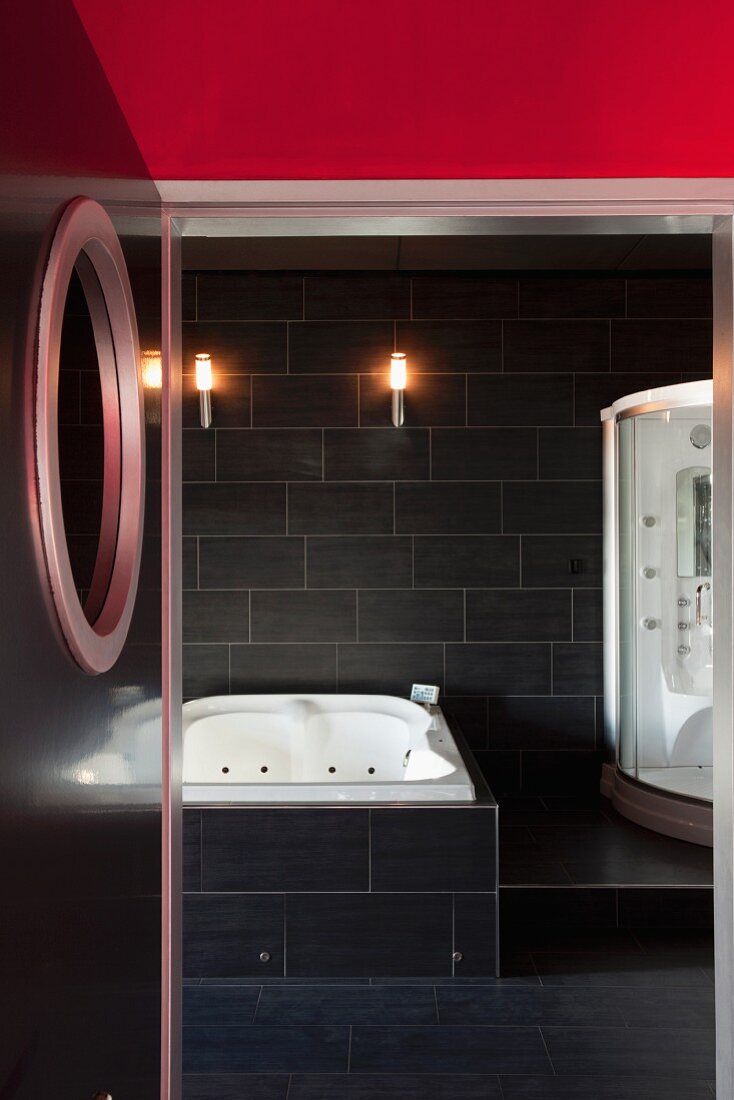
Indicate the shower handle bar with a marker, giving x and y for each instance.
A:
(699, 597)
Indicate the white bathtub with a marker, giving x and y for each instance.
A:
(319, 748)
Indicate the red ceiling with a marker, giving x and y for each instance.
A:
(298, 89)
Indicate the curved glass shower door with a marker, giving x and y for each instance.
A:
(664, 593)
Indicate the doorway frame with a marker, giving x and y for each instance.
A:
(678, 202)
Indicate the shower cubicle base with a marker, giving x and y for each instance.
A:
(672, 814)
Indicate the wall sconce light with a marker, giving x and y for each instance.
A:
(398, 379)
(204, 386)
(152, 369)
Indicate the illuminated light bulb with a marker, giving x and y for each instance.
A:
(151, 369)
(204, 386)
(398, 382)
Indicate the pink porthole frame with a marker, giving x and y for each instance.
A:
(85, 239)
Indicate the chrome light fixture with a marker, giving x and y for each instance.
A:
(204, 386)
(398, 380)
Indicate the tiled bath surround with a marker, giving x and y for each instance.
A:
(326, 550)
(341, 891)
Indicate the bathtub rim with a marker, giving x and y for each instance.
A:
(483, 795)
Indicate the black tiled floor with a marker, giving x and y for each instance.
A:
(586, 843)
(622, 1013)
(581, 1011)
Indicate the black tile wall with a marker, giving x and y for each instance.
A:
(307, 849)
(556, 346)
(448, 851)
(304, 402)
(404, 934)
(246, 563)
(268, 455)
(225, 934)
(326, 550)
(357, 297)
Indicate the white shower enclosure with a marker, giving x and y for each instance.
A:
(658, 598)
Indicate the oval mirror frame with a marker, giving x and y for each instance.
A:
(85, 239)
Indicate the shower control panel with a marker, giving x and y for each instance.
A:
(424, 693)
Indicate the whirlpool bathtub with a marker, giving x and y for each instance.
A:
(319, 748)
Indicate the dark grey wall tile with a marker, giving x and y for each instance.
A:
(228, 509)
(558, 908)
(245, 296)
(216, 617)
(389, 669)
(191, 828)
(190, 563)
(305, 616)
(68, 397)
(283, 668)
(670, 297)
(198, 455)
(475, 918)
(570, 453)
(484, 454)
(546, 561)
(230, 401)
(541, 723)
(260, 454)
(236, 348)
(449, 507)
(281, 849)
(667, 907)
(205, 670)
(354, 509)
(530, 400)
(369, 935)
(357, 297)
(251, 562)
(367, 454)
(304, 402)
(502, 770)
(592, 393)
(90, 396)
(81, 452)
(188, 296)
(460, 347)
(429, 849)
(389, 616)
(572, 296)
(463, 296)
(498, 669)
(430, 400)
(552, 506)
(470, 715)
(559, 346)
(668, 345)
(475, 561)
(587, 615)
(518, 615)
(340, 347)
(224, 935)
(577, 669)
(560, 772)
(370, 561)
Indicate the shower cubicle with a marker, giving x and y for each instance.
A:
(658, 597)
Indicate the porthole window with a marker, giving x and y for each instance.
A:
(90, 467)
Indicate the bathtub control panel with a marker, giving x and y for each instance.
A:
(424, 693)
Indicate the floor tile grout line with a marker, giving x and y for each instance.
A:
(257, 1005)
(547, 1051)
